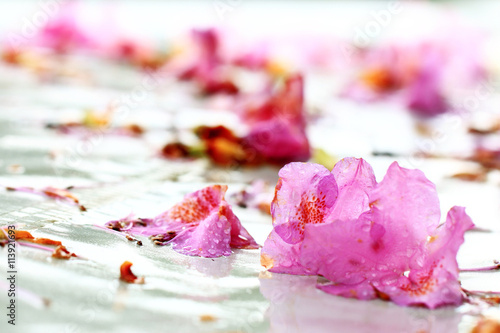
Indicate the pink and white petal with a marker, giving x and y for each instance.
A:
(195, 206)
(436, 283)
(210, 239)
(304, 194)
(279, 256)
(355, 179)
(351, 170)
(299, 183)
(240, 237)
(347, 252)
(406, 204)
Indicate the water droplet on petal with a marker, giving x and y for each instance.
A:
(366, 227)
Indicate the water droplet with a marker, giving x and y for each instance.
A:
(389, 279)
(382, 267)
(420, 260)
(366, 227)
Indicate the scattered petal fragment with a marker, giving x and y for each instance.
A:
(126, 274)
(203, 224)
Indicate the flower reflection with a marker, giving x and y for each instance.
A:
(298, 306)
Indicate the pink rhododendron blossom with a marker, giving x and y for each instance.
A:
(203, 224)
(369, 239)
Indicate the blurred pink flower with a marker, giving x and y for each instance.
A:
(418, 73)
(207, 70)
(63, 33)
(369, 239)
(425, 94)
(203, 224)
(278, 124)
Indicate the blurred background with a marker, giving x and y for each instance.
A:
(129, 105)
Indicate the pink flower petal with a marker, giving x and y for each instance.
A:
(278, 141)
(203, 224)
(406, 201)
(210, 239)
(305, 193)
(436, 283)
(355, 179)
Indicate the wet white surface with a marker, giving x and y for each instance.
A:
(117, 175)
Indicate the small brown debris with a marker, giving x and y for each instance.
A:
(489, 159)
(175, 150)
(15, 168)
(494, 128)
(266, 261)
(62, 253)
(207, 318)
(126, 274)
(132, 239)
(135, 130)
(479, 176)
(381, 295)
(265, 207)
(163, 239)
(487, 325)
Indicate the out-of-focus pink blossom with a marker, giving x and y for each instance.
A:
(278, 124)
(369, 239)
(418, 73)
(208, 68)
(425, 94)
(63, 33)
(203, 224)
(279, 142)
(257, 194)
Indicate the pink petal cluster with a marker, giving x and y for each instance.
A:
(417, 73)
(278, 125)
(202, 224)
(369, 239)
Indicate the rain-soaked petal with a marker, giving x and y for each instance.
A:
(436, 283)
(202, 224)
(305, 194)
